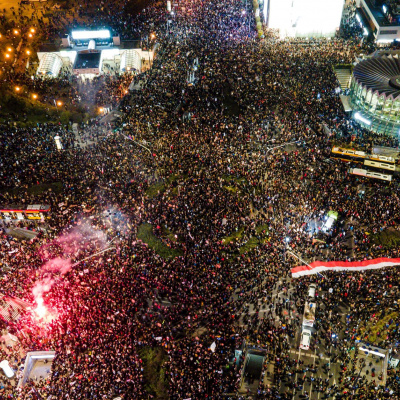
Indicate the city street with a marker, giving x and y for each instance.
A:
(190, 205)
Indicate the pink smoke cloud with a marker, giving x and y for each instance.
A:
(42, 286)
(58, 264)
(69, 244)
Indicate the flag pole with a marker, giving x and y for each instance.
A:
(308, 265)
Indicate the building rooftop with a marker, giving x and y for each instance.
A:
(131, 44)
(380, 17)
(381, 74)
(86, 60)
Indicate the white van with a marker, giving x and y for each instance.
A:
(311, 290)
(305, 339)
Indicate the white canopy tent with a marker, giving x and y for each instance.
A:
(131, 61)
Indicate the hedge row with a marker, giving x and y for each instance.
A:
(256, 9)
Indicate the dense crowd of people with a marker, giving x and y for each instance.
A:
(225, 152)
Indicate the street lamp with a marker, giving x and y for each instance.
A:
(16, 32)
(59, 103)
(28, 52)
(17, 88)
(34, 96)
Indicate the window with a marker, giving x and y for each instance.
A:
(388, 32)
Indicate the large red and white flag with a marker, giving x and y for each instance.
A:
(318, 267)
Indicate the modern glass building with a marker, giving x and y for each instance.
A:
(375, 93)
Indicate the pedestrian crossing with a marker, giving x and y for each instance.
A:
(11, 310)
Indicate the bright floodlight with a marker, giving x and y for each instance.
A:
(328, 224)
(304, 18)
(375, 353)
(100, 34)
(358, 116)
(5, 366)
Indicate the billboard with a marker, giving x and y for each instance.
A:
(304, 18)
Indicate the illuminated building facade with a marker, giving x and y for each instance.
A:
(380, 19)
(89, 53)
(304, 18)
(375, 92)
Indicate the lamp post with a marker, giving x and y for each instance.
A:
(57, 103)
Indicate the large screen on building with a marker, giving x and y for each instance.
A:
(85, 35)
(304, 18)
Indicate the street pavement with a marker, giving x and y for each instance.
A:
(318, 369)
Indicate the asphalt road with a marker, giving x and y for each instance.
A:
(311, 377)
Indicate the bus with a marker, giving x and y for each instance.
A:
(309, 314)
(370, 174)
(384, 159)
(17, 212)
(349, 155)
(380, 166)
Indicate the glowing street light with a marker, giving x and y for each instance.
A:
(32, 30)
(101, 109)
(153, 36)
(34, 96)
(7, 55)
(16, 32)
(9, 48)
(30, 35)
(17, 89)
(28, 52)
(59, 103)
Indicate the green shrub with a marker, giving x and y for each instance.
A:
(146, 235)
(156, 383)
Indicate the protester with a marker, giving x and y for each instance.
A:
(201, 155)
